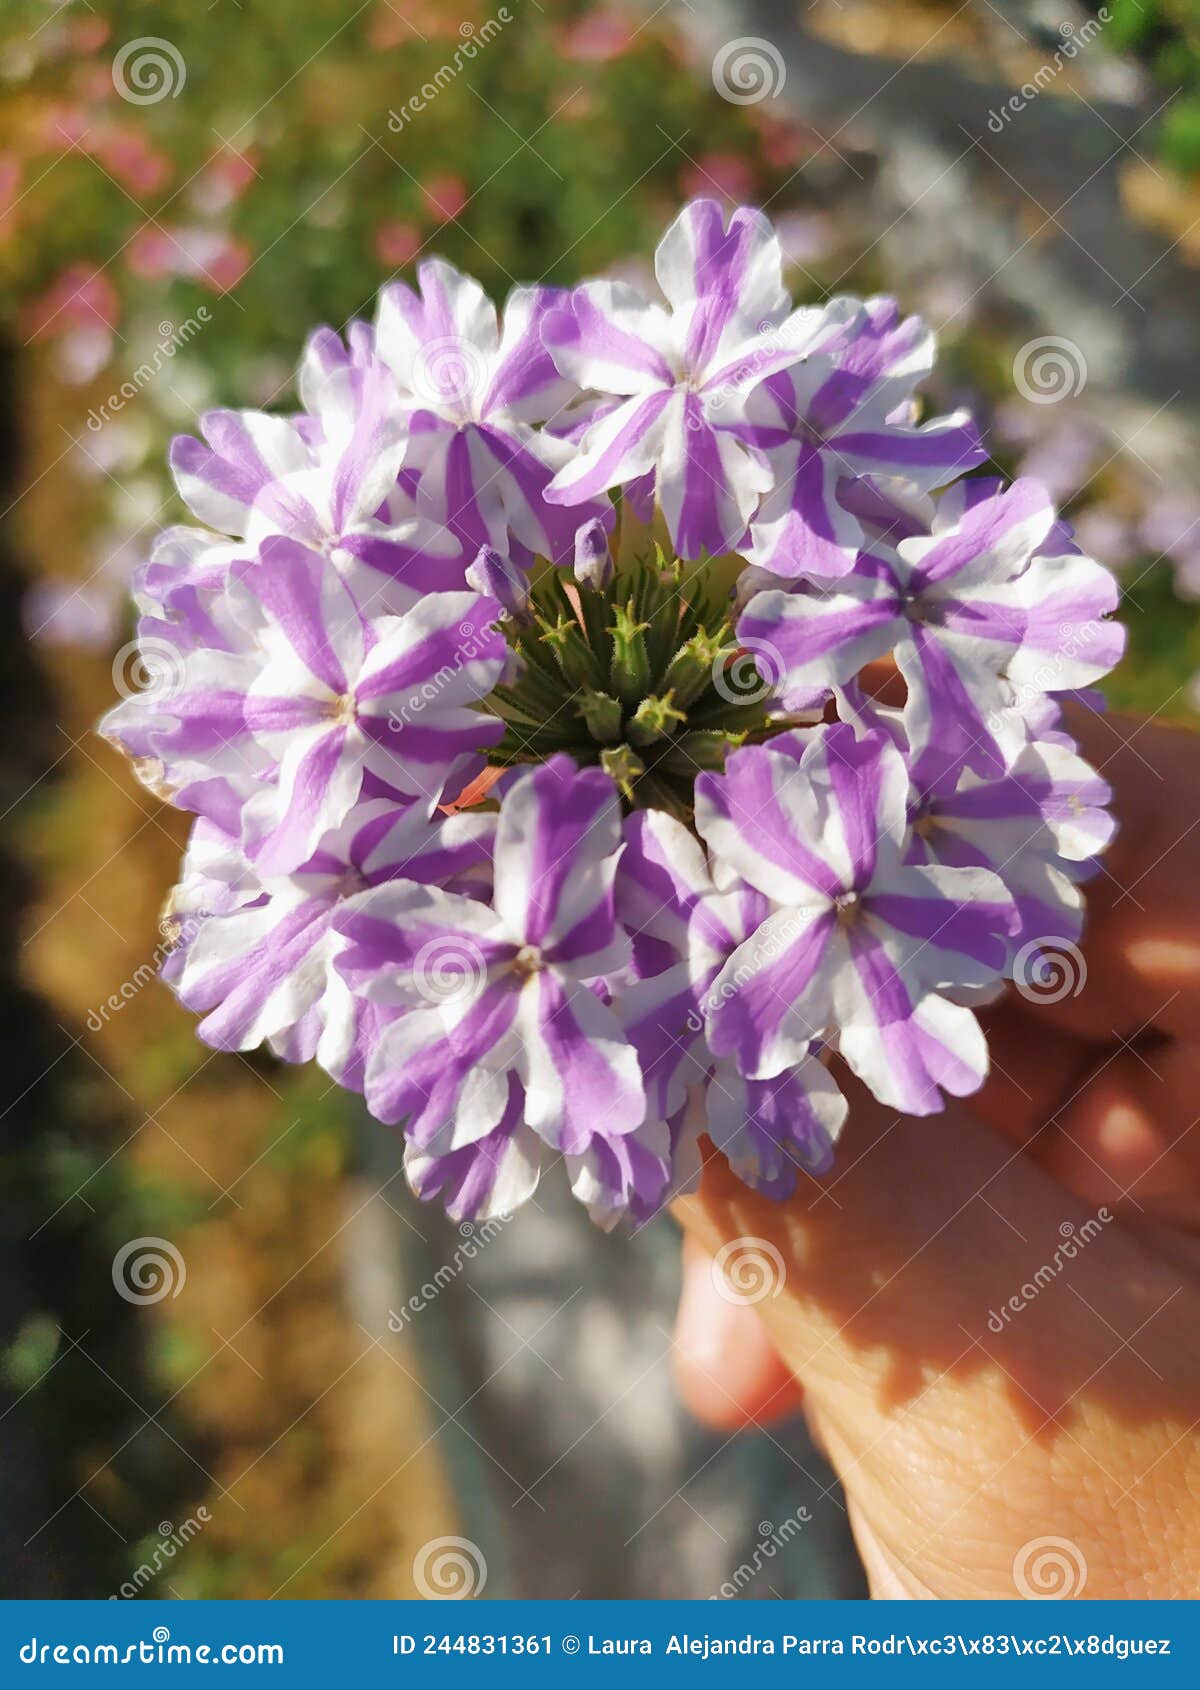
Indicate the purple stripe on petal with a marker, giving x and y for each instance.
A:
(975, 930)
(290, 840)
(754, 1002)
(294, 586)
(856, 775)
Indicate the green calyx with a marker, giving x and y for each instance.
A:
(643, 677)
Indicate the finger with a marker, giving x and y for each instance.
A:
(1115, 1125)
(727, 1370)
(1130, 1137)
(950, 1427)
(1142, 938)
(1033, 1066)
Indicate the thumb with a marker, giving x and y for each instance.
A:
(989, 1364)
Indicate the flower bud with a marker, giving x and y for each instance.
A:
(593, 560)
(499, 578)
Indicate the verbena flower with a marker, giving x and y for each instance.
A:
(472, 388)
(970, 612)
(258, 951)
(680, 376)
(322, 478)
(838, 416)
(561, 845)
(502, 1014)
(861, 943)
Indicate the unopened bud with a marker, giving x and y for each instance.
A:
(653, 719)
(624, 766)
(593, 560)
(690, 671)
(602, 714)
(499, 578)
(630, 662)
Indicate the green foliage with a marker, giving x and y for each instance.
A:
(1164, 647)
(1165, 35)
(565, 164)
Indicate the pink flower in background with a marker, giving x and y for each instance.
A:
(429, 20)
(224, 179)
(212, 257)
(79, 297)
(720, 173)
(444, 195)
(126, 154)
(783, 142)
(63, 126)
(94, 84)
(397, 243)
(10, 185)
(599, 36)
(88, 34)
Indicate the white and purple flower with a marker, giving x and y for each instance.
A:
(861, 944)
(588, 862)
(472, 388)
(832, 421)
(503, 1003)
(679, 376)
(257, 952)
(971, 613)
(328, 479)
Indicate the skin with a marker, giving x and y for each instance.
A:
(965, 1431)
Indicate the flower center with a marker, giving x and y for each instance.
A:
(528, 961)
(919, 608)
(849, 908)
(643, 676)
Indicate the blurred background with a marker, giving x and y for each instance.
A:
(236, 1358)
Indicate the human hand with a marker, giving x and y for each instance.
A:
(990, 1315)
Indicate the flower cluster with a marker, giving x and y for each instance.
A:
(601, 715)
